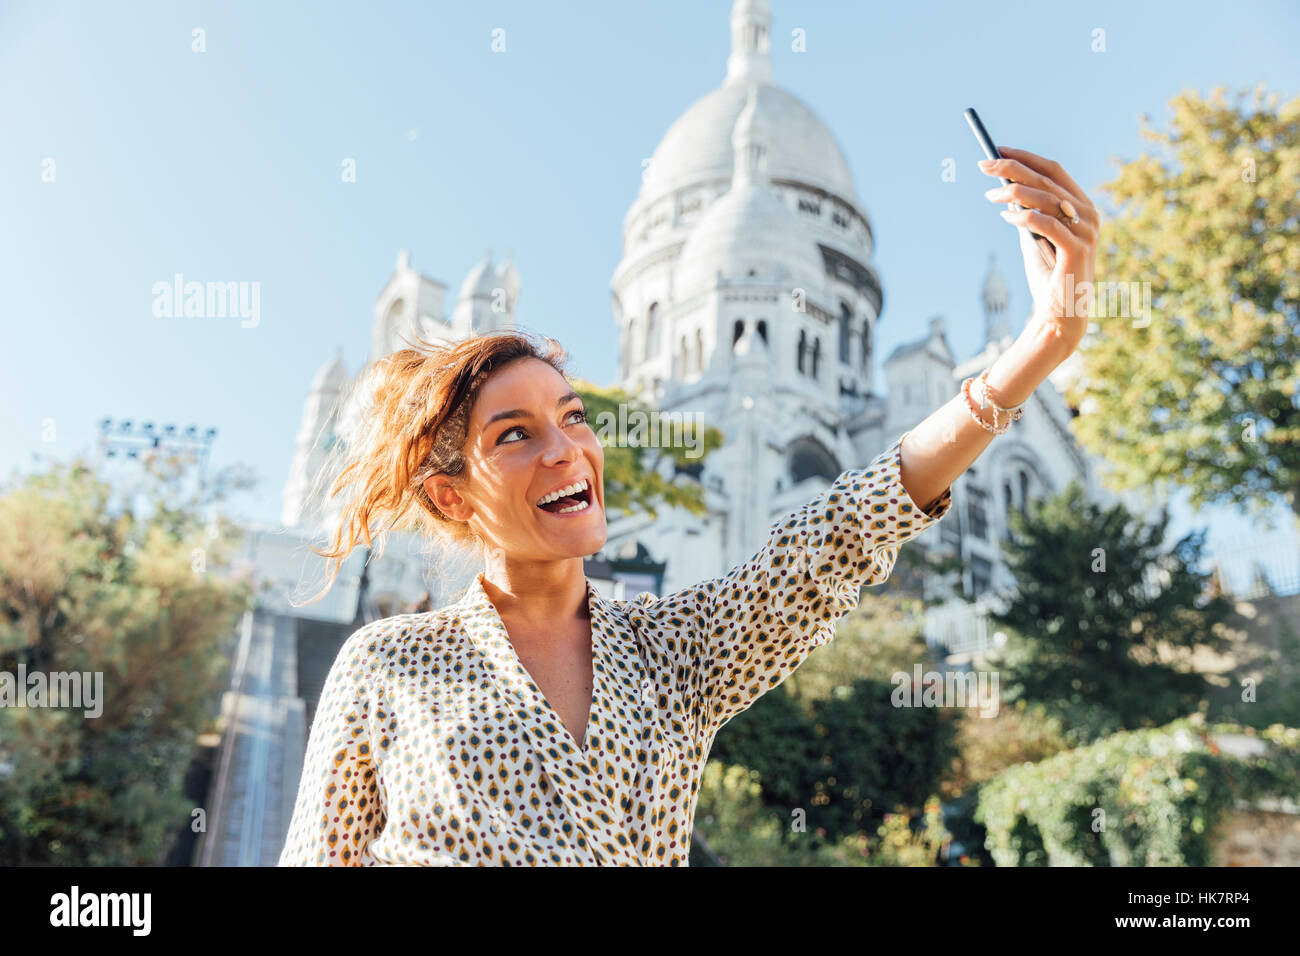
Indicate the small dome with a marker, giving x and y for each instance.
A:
(507, 276)
(697, 148)
(748, 230)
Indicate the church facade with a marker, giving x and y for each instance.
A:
(746, 296)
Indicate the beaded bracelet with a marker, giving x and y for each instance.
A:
(1014, 414)
(986, 391)
(970, 407)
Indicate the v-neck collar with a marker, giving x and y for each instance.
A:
(618, 676)
(513, 677)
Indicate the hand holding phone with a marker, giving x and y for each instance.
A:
(1045, 248)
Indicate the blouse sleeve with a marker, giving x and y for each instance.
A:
(338, 811)
(767, 615)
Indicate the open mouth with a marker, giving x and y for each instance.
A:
(579, 498)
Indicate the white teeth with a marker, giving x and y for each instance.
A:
(556, 495)
(580, 506)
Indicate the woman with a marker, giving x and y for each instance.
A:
(534, 721)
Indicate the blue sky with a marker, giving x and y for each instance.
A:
(225, 166)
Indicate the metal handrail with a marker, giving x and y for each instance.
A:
(236, 691)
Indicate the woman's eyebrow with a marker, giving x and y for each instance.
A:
(524, 413)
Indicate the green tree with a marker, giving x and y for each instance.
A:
(829, 743)
(743, 831)
(647, 472)
(1105, 621)
(1204, 391)
(87, 589)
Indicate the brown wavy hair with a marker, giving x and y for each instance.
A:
(414, 422)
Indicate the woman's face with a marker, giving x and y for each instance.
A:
(528, 437)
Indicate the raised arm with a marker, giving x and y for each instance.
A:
(937, 451)
(765, 616)
(338, 811)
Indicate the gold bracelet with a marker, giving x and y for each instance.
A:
(970, 407)
(986, 390)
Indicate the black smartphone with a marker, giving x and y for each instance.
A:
(1045, 247)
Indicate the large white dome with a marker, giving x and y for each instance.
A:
(748, 229)
(697, 147)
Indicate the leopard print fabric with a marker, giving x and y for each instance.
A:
(432, 746)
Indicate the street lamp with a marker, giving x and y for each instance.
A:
(127, 440)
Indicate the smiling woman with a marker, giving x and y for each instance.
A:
(424, 423)
(535, 721)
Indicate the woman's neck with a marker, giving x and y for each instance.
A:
(538, 593)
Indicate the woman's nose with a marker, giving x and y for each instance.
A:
(561, 446)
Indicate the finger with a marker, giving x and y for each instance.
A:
(1041, 200)
(1018, 172)
(1044, 225)
(1049, 168)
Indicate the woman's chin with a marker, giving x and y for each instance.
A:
(573, 533)
(577, 540)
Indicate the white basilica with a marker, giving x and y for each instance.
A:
(746, 290)
(746, 293)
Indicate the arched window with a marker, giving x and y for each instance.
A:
(389, 329)
(1007, 505)
(762, 329)
(803, 344)
(846, 319)
(809, 458)
(977, 514)
(866, 346)
(634, 342)
(1024, 492)
(737, 330)
(816, 355)
(395, 313)
(699, 350)
(652, 330)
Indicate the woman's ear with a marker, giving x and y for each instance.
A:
(446, 498)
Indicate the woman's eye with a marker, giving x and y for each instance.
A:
(582, 417)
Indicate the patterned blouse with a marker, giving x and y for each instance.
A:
(432, 745)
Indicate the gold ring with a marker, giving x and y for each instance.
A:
(1071, 217)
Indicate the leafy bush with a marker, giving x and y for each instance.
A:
(733, 827)
(130, 598)
(1021, 733)
(1149, 797)
(738, 829)
(902, 844)
(851, 758)
(829, 743)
